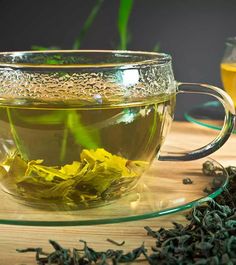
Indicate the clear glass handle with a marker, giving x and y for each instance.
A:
(226, 130)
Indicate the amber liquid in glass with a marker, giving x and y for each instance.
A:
(228, 75)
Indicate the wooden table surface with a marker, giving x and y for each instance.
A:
(11, 237)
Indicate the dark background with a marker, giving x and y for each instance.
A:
(193, 32)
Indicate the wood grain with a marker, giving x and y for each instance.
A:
(184, 135)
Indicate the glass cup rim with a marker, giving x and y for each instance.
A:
(7, 59)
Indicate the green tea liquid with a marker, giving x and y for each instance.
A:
(37, 142)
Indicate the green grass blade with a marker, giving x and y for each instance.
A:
(157, 47)
(87, 24)
(123, 19)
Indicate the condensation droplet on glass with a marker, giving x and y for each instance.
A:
(98, 98)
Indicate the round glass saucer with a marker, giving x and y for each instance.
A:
(160, 191)
(210, 114)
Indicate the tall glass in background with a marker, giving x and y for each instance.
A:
(228, 68)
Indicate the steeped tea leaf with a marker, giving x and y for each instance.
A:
(52, 118)
(19, 144)
(17, 166)
(72, 169)
(3, 173)
(88, 138)
(97, 175)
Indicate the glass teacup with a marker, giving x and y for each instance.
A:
(79, 128)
